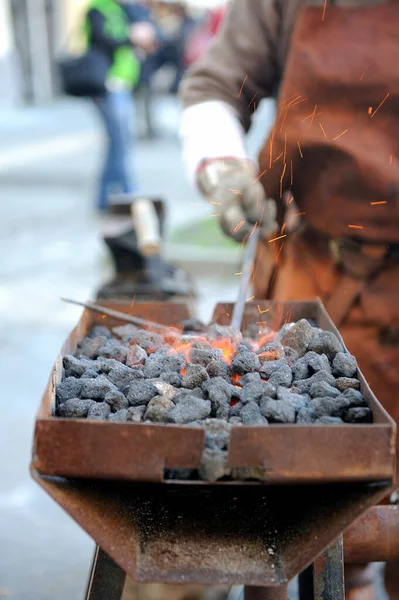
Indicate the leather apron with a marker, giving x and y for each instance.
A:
(334, 153)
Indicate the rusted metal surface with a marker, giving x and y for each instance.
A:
(107, 579)
(374, 536)
(258, 593)
(328, 573)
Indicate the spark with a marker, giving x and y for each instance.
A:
(253, 99)
(242, 87)
(254, 229)
(300, 214)
(313, 116)
(216, 215)
(280, 237)
(281, 180)
(355, 226)
(271, 148)
(324, 10)
(378, 203)
(362, 75)
(238, 273)
(285, 147)
(213, 202)
(251, 298)
(262, 312)
(228, 314)
(279, 156)
(369, 110)
(322, 128)
(283, 227)
(292, 175)
(290, 200)
(238, 227)
(341, 134)
(379, 106)
(390, 159)
(299, 148)
(260, 176)
(237, 192)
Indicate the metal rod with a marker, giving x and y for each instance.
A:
(248, 263)
(305, 584)
(328, 573)
(374, 536)
(107, 579)
(120, 316)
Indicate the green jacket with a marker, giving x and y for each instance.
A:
(125, 65)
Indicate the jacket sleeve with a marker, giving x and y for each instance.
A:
(98, 37)
(240, 67)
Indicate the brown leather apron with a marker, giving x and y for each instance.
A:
(334, 153)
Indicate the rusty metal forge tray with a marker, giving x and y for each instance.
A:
(289, 454)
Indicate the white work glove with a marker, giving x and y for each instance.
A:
(232, 185)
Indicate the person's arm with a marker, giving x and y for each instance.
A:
(99, 38)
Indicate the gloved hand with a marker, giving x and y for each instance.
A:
(231, 184)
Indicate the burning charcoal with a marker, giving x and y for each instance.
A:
(282, 376)
(136, 413)
(100, 330)
(277, 411)
(116, 400)
(190, 409)
(203, 356)
(75, 408)
(73, 367)
(344, 365)
(121, 416)
(165, 389)
(67, 389)
(172, 378)
(151, 342)
(272, 351)
(90, 347)
(346, 383)
(218, 368)
(218, 430)
(99, 411)
(251, 415)
(270, 366)
(304, 417)
(235, 410)
(299, 337)
(141, 392)
(328, 407)
(123, 331)
(245, 362)
(122, 376)
(235, 421)
(298, 401)
(193, 325)
(158, 409)
(113, 349)
(96, 389)
(255, 391)
(249, 378)
(303, 386)
(326, 342)
(358, 415)
(136, 356)
(291, 355)
(214, 465)
(329, 421)
(159, 363)
(220, 332)
(89, 374)
(320, 389)
(194, 377)
(355, 397)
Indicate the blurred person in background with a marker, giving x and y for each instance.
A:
(110, 31)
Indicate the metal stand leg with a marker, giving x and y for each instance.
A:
(106, 580)
(265, 593)
(305, 583)
(324, 580)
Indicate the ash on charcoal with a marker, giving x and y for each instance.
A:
(344, 365)
(290, 355)
(121, 416)
(158, 363)
(251, 415)
(326, 342)
(113, 349)
(329, 421)
(136, 413)
(182, 393)
(283, 376)
(158, 409)
(346, 383)
(75, 408)
(310, 364)
(67, 389)
(105, 365)
(218, 368)
(319, 389)
(304, 416)
(214, 465)
(270, 366)
(73, 367)
(328, 407)
(203, 356)
(123, 331)
(272, 351)
(100, 330)
(277, 411)
(298, 401)
(136, 356)
(165, 389)
(249, 378)
(355, 397)
(97, 389)
(91, 346)
(116, 400)
(235, 421)
(122, 376)
(194, 376)
(99, 411)
(218, 431)
(141, 392)
(193, 325)
(172, 378)
(245, 362)
(358, 414)
(151, 342)
(299, 336)
(220, 332)
(303, 386)
(189, 409)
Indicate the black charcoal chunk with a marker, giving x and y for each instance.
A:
(277, 411)
(172, 378)
(136, 413)
(105, 365)
(189, 409)
(151, 342)
(310, 364)
(344, 365)
(235, 421)
(235, 410)
(90, 374)
(123, 331)
(346, 383)
(99, 411)
(271, 351)
(100, 330)
(218, 431)
(304, 416)
(355, 397)
(214, 465)
(194, 377)
(244, 346)
(282, 376)
(270, 366)
(183, 392)
(358, 414)
(326, 342)
(158, 409)
(303, 386)
(122, 376)
(249, 378)
(220, 332)
(251, 415)
(67, 389)
(255, 391)
(96, 389)
(203, 356)
(219, 393)
(299, 337)
(291, 355)
(159, 363)
(113, 349)
(121, 416)
(328, 407)
(192, 325)
(218, 368)
(116, 400)
(73, 367)
(329, 421)
(91, 346)
(75, 408)
(298, 401)
(136, 355)
(141, 392)
(245, 362)
(320, 389)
